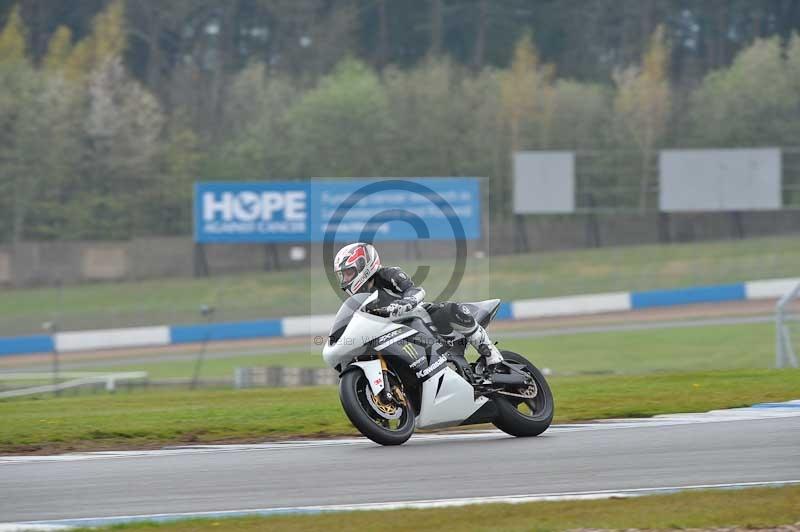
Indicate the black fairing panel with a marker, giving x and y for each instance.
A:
(484, 311)
(419, 325)
(405, 362)
(485, 414)
(404, 353)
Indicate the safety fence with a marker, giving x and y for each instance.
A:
(787, 329)
(73, 380)
(280, 377)
(165, 335)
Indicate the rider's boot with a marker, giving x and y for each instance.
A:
(485, 347)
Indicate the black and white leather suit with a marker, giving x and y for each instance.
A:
(397, 291)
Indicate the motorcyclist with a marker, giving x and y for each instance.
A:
(359, 269)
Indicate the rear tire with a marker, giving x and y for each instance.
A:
(353, 388)
(510, 419)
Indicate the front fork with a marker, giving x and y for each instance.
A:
(386, 394)
(377, 374)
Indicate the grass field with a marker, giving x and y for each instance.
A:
(508, 277)
(146, 419)
(678, 349)
(750, 508)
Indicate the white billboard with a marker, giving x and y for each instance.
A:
(544, 182)
(720, 180)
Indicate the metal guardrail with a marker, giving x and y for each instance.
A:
(279, 377)
(784, 350)
(82, 379)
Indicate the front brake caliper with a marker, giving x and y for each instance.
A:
(398, 393)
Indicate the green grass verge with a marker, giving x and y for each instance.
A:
(141, 419)
(677, 349)
(685, 348)
(508, 277)
(748, 508)
(221, 367)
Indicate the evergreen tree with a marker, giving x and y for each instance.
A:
(525, 90)
(642, 105)
(13, 40)
(106, 41)
(59, 50)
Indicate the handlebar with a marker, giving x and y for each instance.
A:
(380, 311)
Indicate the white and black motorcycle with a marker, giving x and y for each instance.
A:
(395, 376)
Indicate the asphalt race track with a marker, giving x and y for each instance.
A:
(738, 446)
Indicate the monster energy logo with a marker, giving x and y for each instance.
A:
(410, 350)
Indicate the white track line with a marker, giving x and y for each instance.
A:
(63, 524)
(755, 412)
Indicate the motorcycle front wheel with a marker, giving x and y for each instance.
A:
(386, 424)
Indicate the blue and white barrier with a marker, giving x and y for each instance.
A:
(319, 324)
(66, 342)
(307, 325)
(215, 332)
(21, 345)
(769, 289)
(570, 305)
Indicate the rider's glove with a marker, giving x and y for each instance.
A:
(400, 307)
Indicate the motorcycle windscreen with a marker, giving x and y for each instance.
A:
(345, 314)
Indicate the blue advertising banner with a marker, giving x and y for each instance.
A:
(354, 209)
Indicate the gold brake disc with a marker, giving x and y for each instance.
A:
(389, 410)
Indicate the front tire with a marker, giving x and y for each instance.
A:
(525, 417)
(354, 393)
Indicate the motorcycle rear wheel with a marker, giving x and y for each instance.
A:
(525, 417)
(355, 394)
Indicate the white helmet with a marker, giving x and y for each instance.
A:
(354, 265)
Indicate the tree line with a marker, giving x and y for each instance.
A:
(98, 143)
(587, 39)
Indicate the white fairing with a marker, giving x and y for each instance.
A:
(454, 403)
(447, 399)
(362, 329)
(374, 374)
(350, 346)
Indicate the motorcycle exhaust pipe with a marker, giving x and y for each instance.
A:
(509, 378)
